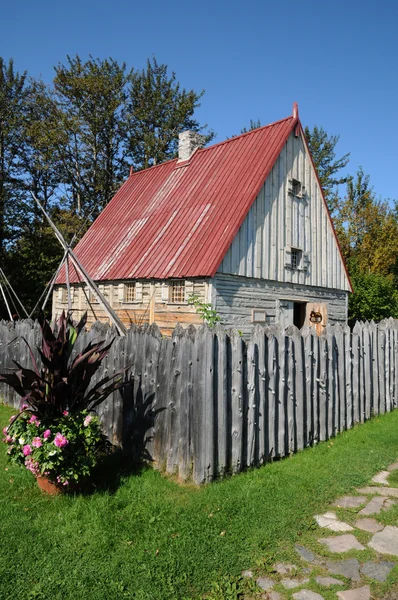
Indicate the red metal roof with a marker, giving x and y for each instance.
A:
(179, 219)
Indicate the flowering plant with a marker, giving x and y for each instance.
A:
(64, 450)
(54, 434)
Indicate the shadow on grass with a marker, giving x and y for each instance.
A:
(139, 416)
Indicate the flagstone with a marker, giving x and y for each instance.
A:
(289, 584)
(362, 593)
(376, 505)
(380, 491)
(377, 570)
(381, 478)
(342, 543)
(330, 521)
(307, 595)
(328, 581)
(347, 568)
(386, 541)
(393, 467)
(265, 583)
(370, 525)
(350, 501)
(272, 596)
(304, 553)
(284, 568)
(247, 573)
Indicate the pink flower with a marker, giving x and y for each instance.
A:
(35, 420)
(36, 442)
(5, 429)
(47, 434)
(65, 413)
(24, 406)
(27, 450)
(12, 418)
(60, 440)
(32, 465)
(8, 439)
(87, 420)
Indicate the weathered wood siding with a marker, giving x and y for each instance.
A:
(235, 297)
(153, 305)
(206, 402)
(278, 221)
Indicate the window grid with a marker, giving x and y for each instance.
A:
(177, 292)
(129, 292)
(295, 258)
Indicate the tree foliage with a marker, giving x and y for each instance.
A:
(158, 110)
(375, 297)
(71, 144)
(13, 94)
(322, 147)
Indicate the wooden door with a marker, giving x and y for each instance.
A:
(317, 315)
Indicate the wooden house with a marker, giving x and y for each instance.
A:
(242, 224)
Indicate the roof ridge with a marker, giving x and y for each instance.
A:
(252, 131)
(152, 167)
(235, 137)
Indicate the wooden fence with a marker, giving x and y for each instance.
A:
(206, 402)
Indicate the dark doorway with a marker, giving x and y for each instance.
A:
(299, 312)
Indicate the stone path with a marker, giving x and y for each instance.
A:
(380, 552)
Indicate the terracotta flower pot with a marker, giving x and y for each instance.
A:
(47, 486)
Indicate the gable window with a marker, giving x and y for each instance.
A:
(129, 292)
(177, 292)
(296, 188)
(295, 257)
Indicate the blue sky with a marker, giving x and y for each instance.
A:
(337, 59)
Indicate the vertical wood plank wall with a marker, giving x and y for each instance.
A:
(278, 221)
(206, 402)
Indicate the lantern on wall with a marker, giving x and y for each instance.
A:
(315, 317)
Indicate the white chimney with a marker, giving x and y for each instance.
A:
(188, 142)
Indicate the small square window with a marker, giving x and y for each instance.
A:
(295, 258)
(129, 292)
(296, 188)
(177, 292)
(259, 315)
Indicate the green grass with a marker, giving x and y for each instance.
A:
(153, 539)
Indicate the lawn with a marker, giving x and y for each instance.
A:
(151, 538)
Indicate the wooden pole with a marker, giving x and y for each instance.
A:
(68, 283)
(90, 283)
(13, 291)
(5, 300)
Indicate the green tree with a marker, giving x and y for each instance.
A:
(375, 298)
(88, 129)
(367, 228)
(158, 110)
(322, 147)
(13, 91)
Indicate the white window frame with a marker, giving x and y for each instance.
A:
(180, 283)
(127, 288)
